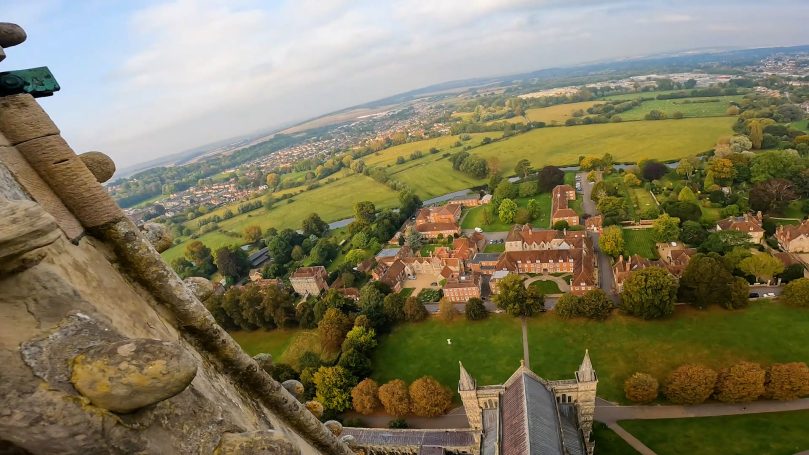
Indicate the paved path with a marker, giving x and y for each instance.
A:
(525, 344)
(563, 286)
(586, 187)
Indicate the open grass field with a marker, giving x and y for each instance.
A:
(491, 349)
(779, 433)
(474, 217)
(711, 214)
(629, 141)
(689, 107)
(495, 248)
(639, 241)
(609, 443)
(443, 144)
(803, 125)
(332, 202)
(556, 114)
(273, 342)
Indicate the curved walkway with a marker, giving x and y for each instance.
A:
(563, 286)
(611, 413)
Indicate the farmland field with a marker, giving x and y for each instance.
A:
(443, 144)
(640, 242)
(557, 113)
(689, 107)
(777, 433)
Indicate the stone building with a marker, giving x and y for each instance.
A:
(794, 239)
(104, 348)
(747, 223)
(525, 415)
(310, 280)
(461, 289)
(561, 195)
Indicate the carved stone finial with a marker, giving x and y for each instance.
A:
(348, 440)
(130, 374)
(315, 407)
(264, 360)
(294, 387)
(99, 164)
(11, 34)
(201, 287)
(334, 426)
(158, 235)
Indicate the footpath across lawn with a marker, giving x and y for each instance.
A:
(766, 332)
(778, 433)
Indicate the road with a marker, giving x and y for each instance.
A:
(606, 280)
(587, 203)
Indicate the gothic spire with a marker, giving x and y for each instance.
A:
(586, 372)
(466, 382)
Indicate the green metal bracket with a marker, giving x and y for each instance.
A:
(38, 82)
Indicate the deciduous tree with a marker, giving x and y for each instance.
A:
(796, 293)
(690, 384)
(515, 299)
(649, 293)
(787, 381)
(333, 387)
(641, 388)
(763, 266)
(611, 241)
(428, 398)
(395, 398)
(507, 210)
(332, 329)
(666, 228)
(772, 195)
(364, 396)
(523, 168)
(475, 310)
(252, 233)
(549, 177)
(706, 281)
(414, 310)
(742, 382)
(446, 310)
(313, 225)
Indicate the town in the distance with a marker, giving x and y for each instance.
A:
(653, 225)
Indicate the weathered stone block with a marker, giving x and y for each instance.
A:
(24, 227)
(201, 287)
(255, 443)
(159, 236)
(131, 374)
(23, 119)
(99, 164)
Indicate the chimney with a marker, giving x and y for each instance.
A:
(758, 215)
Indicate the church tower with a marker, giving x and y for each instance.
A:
(467, 388)
(587, 381)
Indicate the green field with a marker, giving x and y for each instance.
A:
(609, 443)
(641, 198)
(495, 248)
(273, 342)
(696, 108)
(443, 144)
(546, 287)
(332, 202)
(641, 242)
(474, 216)
(780, 433)
(491, 349)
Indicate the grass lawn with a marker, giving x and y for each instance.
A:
(474, 216)
(794, 210)
(557, 113)
(639, 241)
(642, 199)
(803, 125)
(697, 107)
(779, 433)
(491, 349)
(428, 248)
(546, 286)
(274, 342)
(609, 443)
(406, 292)
(495, 248)
(443, 144)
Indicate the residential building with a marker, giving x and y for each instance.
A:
(560, 211)
(462, 288)
(439, 221)
(674, 258)
(525, 415)
(494, 281)
(746, 223)
(794, 239)
(594, 223)
(484, 263)
(310, 280)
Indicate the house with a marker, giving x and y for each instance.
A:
(350, 293)
(462, 288)
(794, 239)
(393, 274)
(561, 195)
(525, 238)
(309, 280)
(494, 281)
(746, 223)
(594, 223)
(484, 263)
(674, 258)
(441, 221)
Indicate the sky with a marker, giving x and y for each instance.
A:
(144, 79)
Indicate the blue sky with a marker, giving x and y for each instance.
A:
(141, 79)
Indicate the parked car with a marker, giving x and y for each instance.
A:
(753, 295)
(770, 294)
(433, 284)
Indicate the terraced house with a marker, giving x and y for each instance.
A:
(560, 210)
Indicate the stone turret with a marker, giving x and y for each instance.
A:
(467, 388)
(587, 380)
(104, 348)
